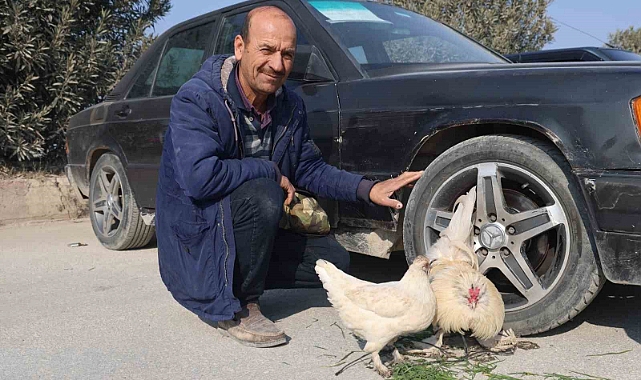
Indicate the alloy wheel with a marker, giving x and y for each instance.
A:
(520, 229)
(107, 201)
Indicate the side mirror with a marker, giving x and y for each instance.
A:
(309, 66)
(317, 70)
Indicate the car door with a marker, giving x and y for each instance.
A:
(138, 123)
(311, 78)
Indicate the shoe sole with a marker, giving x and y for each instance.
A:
(273, 343)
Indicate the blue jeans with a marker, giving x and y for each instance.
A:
(268, 257)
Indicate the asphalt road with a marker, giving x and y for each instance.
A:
(91, 313)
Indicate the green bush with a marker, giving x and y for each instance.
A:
(57, 58)
(628, 39)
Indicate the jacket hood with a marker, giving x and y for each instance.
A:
(211, 72)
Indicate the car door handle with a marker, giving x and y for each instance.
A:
(123, 112)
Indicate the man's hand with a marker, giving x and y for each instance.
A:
(288, 187)
(381, 192)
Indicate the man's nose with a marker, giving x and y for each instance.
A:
(276, 63)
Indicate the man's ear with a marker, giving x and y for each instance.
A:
(239, 47)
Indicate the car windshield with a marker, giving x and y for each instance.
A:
(622, 55)
(379, 36)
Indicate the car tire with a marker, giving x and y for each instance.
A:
(114, 213)
(552, 284)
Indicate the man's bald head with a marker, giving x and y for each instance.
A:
(265, 53)
(265, 11)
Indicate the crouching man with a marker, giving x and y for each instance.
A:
(237, 146)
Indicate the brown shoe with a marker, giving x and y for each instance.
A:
(251, 328)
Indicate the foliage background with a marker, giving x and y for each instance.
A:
(628, 39)
(59, 57)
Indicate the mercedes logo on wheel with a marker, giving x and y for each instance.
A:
(492, 236)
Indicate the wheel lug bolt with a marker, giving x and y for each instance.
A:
(482, 251)
(492, 217)
(505, 252)
(511, 230)
(477, 231)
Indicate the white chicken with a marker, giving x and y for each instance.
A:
(380, 313)
(466, 300)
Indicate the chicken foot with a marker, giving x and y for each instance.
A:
(504, 341)
(380, 367)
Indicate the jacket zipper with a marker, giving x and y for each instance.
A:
(284, 131)
(237, 133)
(222, 213)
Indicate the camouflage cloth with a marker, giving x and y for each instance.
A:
(305, 216)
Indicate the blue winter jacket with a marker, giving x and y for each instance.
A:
(202, 163)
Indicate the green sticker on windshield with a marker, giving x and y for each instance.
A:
(341, 11)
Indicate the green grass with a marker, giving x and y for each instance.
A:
(462, 369)
(431, 371)
(480, 364)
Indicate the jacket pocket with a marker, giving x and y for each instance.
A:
(190, 230)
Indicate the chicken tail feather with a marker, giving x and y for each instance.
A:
(458, 233)
(323, 269)
(460, 227)
(330, 276)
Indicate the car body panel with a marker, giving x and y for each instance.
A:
(592, 124)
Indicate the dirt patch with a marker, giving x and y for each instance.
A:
(39, 197)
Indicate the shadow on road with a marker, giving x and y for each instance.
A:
(616, 306)
(373, 269)
(276, 306)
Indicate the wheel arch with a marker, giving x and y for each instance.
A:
(446, 136)
(94, 155)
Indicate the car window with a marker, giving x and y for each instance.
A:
(232, 27)
(181, 59)
(142, 86)
(378, 36)
(422, 48)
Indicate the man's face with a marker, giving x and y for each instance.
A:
(268, 57)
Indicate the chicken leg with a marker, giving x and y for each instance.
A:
(465, 345)
(398, 357)
(379, 366)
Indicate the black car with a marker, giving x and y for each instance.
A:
(554, 149)
(579, 54)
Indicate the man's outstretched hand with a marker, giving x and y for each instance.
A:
(381, 192)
